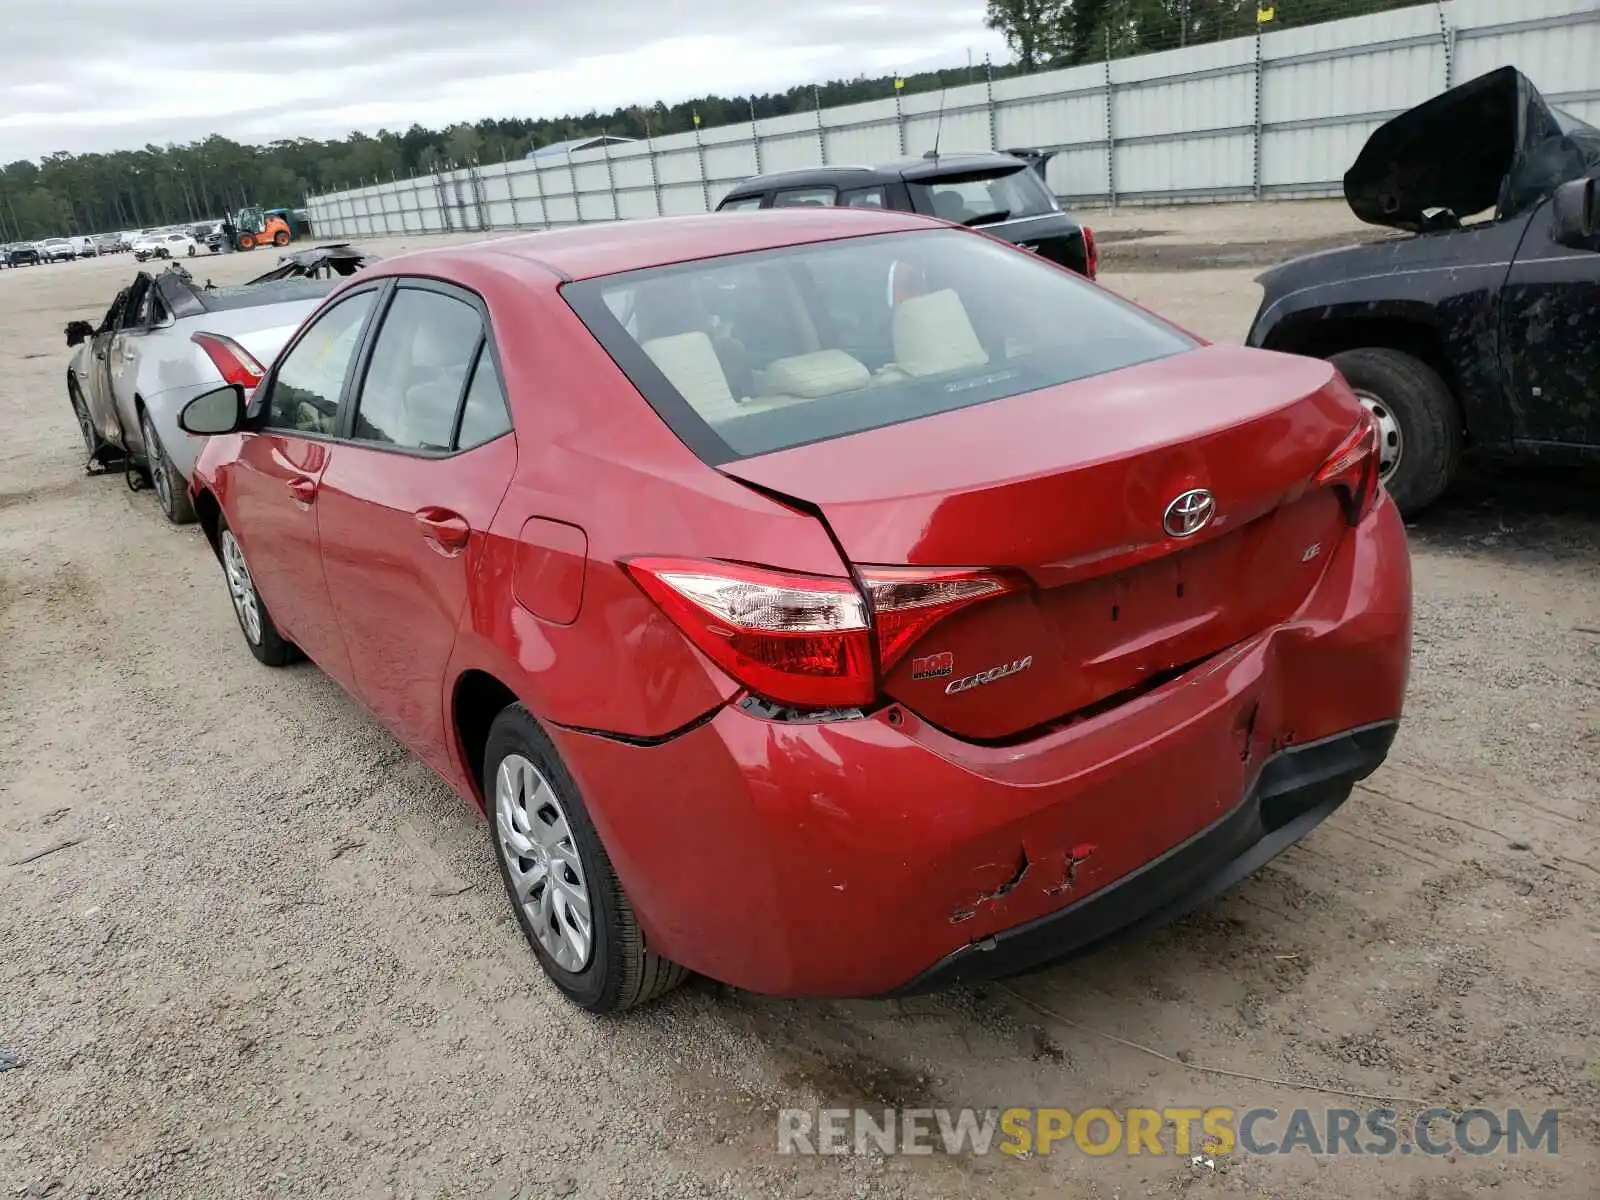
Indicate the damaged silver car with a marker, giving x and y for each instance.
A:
(164, 340)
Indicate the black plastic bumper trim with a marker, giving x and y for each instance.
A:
(1294, 791)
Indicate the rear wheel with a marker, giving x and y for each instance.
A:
(281, 238)
(190, 252)
(171, 490)
(255, 622)
(565, 895)
(1419, 424)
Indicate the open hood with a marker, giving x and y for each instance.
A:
(1492, 142)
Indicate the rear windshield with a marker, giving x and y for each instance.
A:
(751, 353)
(982, 199)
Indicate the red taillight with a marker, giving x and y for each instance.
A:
(233, 362)
(808, 640)
(1091, 252)
(797, 639)
(1352, 468)
(908, 601)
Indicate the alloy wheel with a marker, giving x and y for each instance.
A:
(547, 876)
(156, 461)
(241, 587)
(1391, 441)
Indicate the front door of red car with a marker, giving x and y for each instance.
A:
(272, 488)
(404, 504)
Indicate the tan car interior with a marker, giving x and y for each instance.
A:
(768, 354)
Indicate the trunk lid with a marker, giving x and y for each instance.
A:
(1070, 486)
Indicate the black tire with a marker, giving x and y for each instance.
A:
(172, 491)
(270, 647)
(93, 443)
(1428, 417)
(621, 971)
(190, 252)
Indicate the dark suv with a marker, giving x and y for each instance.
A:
(1481, 330)
(1001, 193)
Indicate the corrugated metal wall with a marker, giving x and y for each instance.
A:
(1278, 115)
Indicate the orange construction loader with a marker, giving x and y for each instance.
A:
(253, 227)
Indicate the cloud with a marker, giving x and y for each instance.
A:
(86, 75)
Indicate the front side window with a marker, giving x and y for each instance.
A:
(143, 312)
(114, 311)
(310, 379)
(1558, 152)
(420, 360)
(986, 198)
(751, 353)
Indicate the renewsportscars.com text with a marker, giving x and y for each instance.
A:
(1162, 1131)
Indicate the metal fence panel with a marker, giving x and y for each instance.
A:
(1280, 113)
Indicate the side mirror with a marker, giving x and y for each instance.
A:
(220, 410)
(1575, 214)
(79, 331)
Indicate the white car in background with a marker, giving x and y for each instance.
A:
(57, 250)
(165, 245)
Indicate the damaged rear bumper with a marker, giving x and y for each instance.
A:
(869, 856)
(1296, 790)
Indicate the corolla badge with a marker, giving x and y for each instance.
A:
(1189, 513)
(992, 675)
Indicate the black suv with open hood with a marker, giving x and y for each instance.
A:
(1481, 333)
(1004, 194)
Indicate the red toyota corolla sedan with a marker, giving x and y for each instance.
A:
(833, 602)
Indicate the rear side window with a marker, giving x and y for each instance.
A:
(420, 360)
(795, 197)
(484, 416)
(752, 353)
(743, 204)
(867, 197)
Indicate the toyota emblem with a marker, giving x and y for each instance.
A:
(1189, 513)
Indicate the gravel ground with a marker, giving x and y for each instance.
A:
(271, 956)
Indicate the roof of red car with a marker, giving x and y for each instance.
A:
(610, 247)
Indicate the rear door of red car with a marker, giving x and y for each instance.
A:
(272, 487)
(405, 501)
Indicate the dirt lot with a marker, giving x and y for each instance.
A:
(275, 958)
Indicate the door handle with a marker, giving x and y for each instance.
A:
(303, 490)
(445, 531)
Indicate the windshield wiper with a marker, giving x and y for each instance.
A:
(1000, 214)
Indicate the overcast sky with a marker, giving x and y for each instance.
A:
(82, 75)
